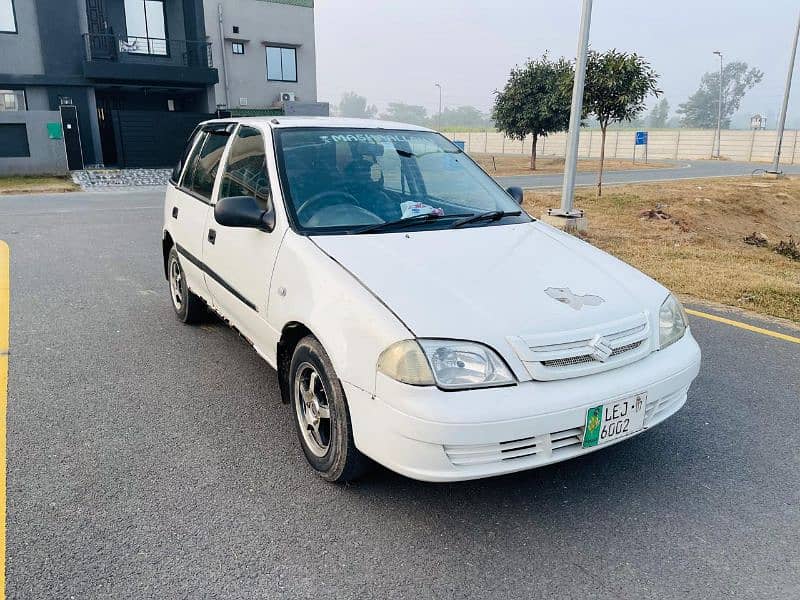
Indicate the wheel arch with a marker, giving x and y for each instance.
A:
(291, 334)
(166, 246)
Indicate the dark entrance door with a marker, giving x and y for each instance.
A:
(72, 137)
(106, 105)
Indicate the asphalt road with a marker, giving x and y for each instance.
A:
(694, 169)
(148, 459)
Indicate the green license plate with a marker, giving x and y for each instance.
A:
(614, 420)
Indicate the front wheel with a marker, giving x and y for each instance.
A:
(321, 415)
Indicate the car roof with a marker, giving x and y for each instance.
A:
(280, 122)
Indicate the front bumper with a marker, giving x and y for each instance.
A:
(431, 435)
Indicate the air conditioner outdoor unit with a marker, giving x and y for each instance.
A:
(288, 97)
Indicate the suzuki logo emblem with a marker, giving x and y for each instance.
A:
(601, 351)
(573, 300)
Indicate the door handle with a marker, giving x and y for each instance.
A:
(212, 236)
(174, 212)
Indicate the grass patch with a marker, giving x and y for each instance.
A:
(690, 236)
(37, 184)
(503, 165)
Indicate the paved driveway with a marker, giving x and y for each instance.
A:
(147, 459)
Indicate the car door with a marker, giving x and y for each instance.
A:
(240, 260)
(188, 203)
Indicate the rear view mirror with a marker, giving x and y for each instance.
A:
(516, 193)
(243, 211)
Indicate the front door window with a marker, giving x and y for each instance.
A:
(246, 171)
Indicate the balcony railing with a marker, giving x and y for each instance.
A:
(144, 50)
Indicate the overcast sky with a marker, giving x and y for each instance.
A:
(397, 50)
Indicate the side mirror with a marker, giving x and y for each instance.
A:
(516, 193)
(243, 211)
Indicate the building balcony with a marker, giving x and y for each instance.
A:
(126, 59)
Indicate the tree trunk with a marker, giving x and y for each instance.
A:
(533, 152)
(603, 131)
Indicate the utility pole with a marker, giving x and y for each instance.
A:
(719, 114)
(221, 19)
(439, 126)
(782, 121)
(567, 210)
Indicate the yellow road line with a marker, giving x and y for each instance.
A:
(740, 325)
(5, 314)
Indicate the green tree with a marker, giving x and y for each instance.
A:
(659, 115)
(406, 113)
(355, 106)
(535, 101)
(617, 85)
(702, 108)
(463, 116)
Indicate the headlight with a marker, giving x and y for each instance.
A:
(672, 322)
(451, 365)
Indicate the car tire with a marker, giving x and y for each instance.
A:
(321, 415)
(189, 308)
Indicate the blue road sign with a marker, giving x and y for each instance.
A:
(641, 138)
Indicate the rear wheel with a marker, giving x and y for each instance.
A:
(321, 415)
(189, 308)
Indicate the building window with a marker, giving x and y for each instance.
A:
(14, 140)
(146, 23)
(281, 64)
(8, 20)
(237, 47)
(235, 29)
(12, 100)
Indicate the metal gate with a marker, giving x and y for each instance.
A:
(151, 139)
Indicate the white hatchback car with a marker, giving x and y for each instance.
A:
(414, 313)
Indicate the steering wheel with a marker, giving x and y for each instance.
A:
(324, 199)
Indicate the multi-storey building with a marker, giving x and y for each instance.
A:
(265, 52)
(128, 77)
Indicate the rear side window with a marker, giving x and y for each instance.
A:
(191, 159)
(202, 170)
(246, 172)
(176, 172)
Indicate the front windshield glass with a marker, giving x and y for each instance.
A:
(356, 180)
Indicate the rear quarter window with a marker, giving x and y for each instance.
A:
(176, 172)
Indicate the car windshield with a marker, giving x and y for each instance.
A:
(339, 180)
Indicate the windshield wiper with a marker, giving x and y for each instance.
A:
(494, 215)
(401, 223)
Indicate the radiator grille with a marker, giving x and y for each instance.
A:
(588, 358)
(565, 354)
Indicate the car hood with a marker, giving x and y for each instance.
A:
(489, 283)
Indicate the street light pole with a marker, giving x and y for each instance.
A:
(719, 114)
(571, 163)
(439, 85)
(782, 122)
